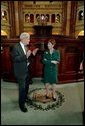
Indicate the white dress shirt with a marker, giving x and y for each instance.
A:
(22, 45)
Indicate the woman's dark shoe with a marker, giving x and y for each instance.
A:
(47, 97)
(54, 99)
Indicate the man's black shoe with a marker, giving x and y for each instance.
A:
(31, 82)
(24, 109)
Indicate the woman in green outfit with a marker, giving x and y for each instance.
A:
(50, 60)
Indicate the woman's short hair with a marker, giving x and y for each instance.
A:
(24, 35)
(52, 41)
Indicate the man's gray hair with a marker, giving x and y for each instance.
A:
(24, 35)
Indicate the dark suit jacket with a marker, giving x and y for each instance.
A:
(20, 61)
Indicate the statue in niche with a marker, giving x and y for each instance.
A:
(57, 18)
(38, 19)
(81, 15)
(27, 18)
(4, 15)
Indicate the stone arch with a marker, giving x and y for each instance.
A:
(81, 33)
(3, 33)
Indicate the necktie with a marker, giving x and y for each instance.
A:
(26, 48)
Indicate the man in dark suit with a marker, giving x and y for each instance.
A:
(21, 62)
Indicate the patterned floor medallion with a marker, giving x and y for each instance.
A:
(38, 100)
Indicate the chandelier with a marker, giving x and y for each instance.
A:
(42, 19)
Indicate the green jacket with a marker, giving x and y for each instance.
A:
(50, 69)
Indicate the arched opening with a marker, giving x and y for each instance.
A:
(27, 18)
(81, 15)
(3, 34)
(31, 18)
(81, 33)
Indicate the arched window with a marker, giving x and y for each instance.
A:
(53, 18)
(57, 18)
(38, 18)
(31, 18)
(27, 18)
(37, 15)
(47, 17)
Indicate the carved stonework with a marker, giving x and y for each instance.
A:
(44, 10)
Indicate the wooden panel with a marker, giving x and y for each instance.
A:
(43, 30)
(71, 52)
(70, 62)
